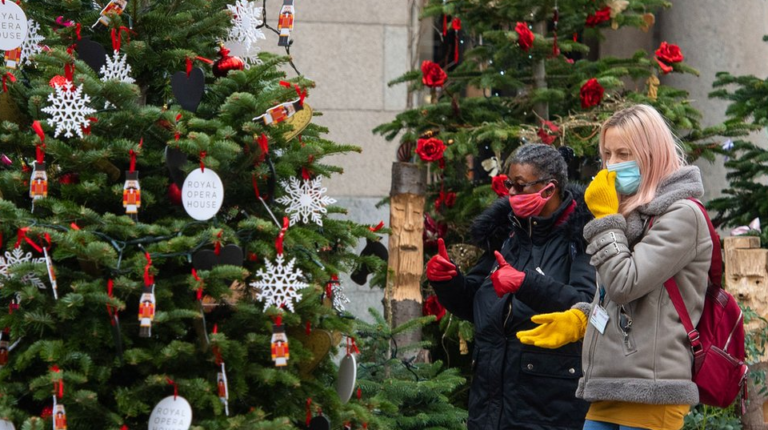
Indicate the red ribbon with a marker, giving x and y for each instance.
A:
(124, 427)
(189, 63)
(378, 227)
(202, 157)
(8, 75)
(301, 93)
(199, 286)
(308, 328)
(215, 348)
(47, 239)
(359, 393)
(132, 167)
(281, 236)
(58, 386)
(305, 174)
(40, 153)
(217, 243)
(278, 319)
(22, 235)
(74, 226)
(445, 25)
(77, 30)
(255, 185)
(175, 387)
(117, 36)
(352, 346)
(264, 145)
(12, 306)
(111, 310)
(149, 278)
(39, 130)
(69, 71)
(309, 410)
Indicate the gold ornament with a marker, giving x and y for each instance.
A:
(464, 255)
(298, 122)
(463, 348)
(318, 342)
(653, 87)
(648, 20)
(9, 111)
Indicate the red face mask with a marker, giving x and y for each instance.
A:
(527, 205)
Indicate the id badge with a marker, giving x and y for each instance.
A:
(599, 318)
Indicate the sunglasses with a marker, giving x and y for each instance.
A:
(625, 322)
(519, 188)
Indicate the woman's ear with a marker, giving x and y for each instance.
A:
(550, 192)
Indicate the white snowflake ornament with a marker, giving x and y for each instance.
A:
(69, 109)
(246, 18)
(16, 257)
(279, 284)
(31, 45)
(250, 56)
(116, 69)
(339, 298)
(305, 199)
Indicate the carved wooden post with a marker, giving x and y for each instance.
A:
(746, 278)
(406, 250)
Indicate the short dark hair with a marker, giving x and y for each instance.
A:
(547, 161)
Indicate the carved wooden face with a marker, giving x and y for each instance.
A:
(747, 281)
(408, 221)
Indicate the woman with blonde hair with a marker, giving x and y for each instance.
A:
(636, 357)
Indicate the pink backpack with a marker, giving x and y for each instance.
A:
(718, 340)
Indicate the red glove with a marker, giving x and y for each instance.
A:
(439, 267)
(506, 279)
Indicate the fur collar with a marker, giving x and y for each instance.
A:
(491, 228)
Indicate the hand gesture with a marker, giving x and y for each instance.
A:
(439, 267)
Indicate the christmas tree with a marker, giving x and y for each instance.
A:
(166, 237)
(745, 198)
(515, 71)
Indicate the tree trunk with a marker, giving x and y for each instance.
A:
(406, 252)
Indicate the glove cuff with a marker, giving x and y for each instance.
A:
(582, 321)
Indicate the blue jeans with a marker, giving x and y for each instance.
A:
(599, 425)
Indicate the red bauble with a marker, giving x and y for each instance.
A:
(69, 178)
(174, 194)
(223, 65)
(57, 80)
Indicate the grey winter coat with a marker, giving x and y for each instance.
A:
(652, 363)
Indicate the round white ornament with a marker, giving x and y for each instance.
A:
(171, 414)
(202, 194)
(13, 26)
(6, 425)
(345, 385)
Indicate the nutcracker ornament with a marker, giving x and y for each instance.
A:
(146, 310)
(13, 58)
(60, 418)
(280, 352)
(132, 194)
(280, 113)
(38, 183)
(114, 6)
(285, 23)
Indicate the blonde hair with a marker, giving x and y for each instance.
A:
(645, 132)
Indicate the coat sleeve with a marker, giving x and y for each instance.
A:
(674, 240)
(544, 294)
(458, 294)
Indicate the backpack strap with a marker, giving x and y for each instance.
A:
(715, 279)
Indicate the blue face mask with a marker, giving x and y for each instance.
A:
(627, 177)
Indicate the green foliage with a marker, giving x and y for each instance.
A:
(401, 393)
(93, 241)
(710, 418)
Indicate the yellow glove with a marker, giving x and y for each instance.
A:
(601, 196)
(556, 329)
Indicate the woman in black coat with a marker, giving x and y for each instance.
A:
(536, 235)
